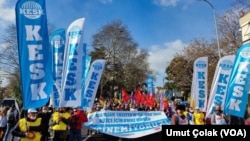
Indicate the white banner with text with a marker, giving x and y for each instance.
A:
(127, 124)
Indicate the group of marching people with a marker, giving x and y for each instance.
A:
(185, 115)
(178, 113)
(61, 124)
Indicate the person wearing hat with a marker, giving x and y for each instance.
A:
(198, 117)
(179, 118)
(29, 128)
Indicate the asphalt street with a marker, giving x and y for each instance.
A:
(102, 137)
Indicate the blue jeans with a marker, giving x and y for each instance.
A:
(75, 133)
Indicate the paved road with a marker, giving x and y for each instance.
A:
(101, 137)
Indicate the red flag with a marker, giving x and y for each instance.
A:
(150, 100)
(166, 104)
(137, 95)
(125, 95)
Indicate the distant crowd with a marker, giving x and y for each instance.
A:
(65, 124)
(179, 114)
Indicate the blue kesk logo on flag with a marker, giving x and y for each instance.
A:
(219, 86)
(73, 65)
(31, 10)
(237, 94)
(92, 83)
(199, 83)
(226, 65)
(97, 66)
(150, 85)
(35, 56)
(57, 43)
(201, 64)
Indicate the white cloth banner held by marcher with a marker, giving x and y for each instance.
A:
(127, 124)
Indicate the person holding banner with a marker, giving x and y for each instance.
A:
(29, 128)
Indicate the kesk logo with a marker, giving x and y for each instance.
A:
(57, 41)
(245, 53)
(75, 31)
(97, 66)
(31, 10)
(201, 64)
(150, 80)
(226, 65)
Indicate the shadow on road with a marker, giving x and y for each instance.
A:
(103, 137)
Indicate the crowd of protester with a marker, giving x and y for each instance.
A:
(43, 124)
(178, 113)
(65, 124)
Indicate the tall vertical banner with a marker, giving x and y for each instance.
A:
(92, 83)
(199, 84)
(168, 94)
(73, 65)
(161, 101)
(84, 62)
(150, 85)
(192, 97)
(219, 86)
(239, 83)
(57, 43)
(87, 66)
(35, 57)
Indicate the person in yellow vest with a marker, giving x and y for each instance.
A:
(29, 128)
(186, 110)
(59, 124)
(198, 117)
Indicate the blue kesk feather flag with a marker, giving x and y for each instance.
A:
(92, 83)
(238, 86)
(73, 65)
(150, 85)
(57, 43)
(34, 53)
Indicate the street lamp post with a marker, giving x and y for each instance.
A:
(215, 22)
(163, 80)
